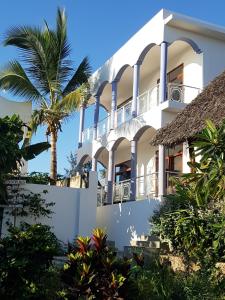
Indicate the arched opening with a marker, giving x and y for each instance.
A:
(122, 170)
(102, 157)
(184, 60)
(147, 164)
(124, 94)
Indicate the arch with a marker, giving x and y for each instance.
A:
(97, 153)
(191, 43)
(117, 142)
(101, 88)
(140, 132)
(82, 160)
(120, 72)
(144, 53)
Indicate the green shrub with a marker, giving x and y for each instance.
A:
(25, 260)
(93, 270)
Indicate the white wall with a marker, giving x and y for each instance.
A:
(74, 209)
(127, 221)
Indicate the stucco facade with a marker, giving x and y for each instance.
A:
(142, 87)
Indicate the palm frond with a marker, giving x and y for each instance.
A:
(31, 151)
(14, 79)
(80, 77)
(71, 101)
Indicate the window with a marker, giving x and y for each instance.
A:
(175, 75)
(122, 171)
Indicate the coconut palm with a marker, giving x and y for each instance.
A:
(46, 77)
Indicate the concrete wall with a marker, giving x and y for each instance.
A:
(74, 209)
(127, 221)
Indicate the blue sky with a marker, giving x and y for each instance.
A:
(97, 29)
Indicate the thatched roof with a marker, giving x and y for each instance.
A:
(210, 104)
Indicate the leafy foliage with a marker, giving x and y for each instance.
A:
(11, 135)
(193, 219)
(93, 270)
(25, 260)
(46, 76)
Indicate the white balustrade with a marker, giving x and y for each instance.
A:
(88, 134)
(124, 113)
(146, 101)
(103, 126)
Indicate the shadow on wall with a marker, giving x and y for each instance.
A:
(127, 221)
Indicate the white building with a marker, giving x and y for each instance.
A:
(23, 109)
(142, 87)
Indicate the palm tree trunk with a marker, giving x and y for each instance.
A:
(53, 172)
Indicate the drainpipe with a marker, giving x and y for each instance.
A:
(136, 78)
(96, 116)
(133, 170)
(81, 125)
(110, 177)
(114, 105)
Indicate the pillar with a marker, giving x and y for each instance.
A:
(94, 164)
(163, 72)
(81, 125)
(110, 177)
(162, 172)
(113, 105)
(136, 78)
(96, 116)
(133, 170)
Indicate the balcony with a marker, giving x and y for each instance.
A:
(176, 93)
(146, 188)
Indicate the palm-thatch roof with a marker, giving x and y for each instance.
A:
(210, 104)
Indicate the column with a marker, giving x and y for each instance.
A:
(162, 172)
(110, 177)
(96, 116)
(163, 72)
(114, 104)
(136, 77)
(133, 170)
(94, 164)
(81, 125)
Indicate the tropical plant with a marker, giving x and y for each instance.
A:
(46, 77)
(25, 260)
(193, 219)
(93, 270)
(12, 154)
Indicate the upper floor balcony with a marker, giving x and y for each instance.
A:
(178, 93)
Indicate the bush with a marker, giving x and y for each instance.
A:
(25, 260)
(93, 270)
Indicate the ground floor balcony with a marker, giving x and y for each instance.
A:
(146, 188)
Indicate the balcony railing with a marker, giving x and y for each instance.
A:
(146, 101)
(103, 126)
(170, 188)
(124, 114)
(88, 134)
(146, 188)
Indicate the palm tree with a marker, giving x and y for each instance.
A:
(46, 76)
